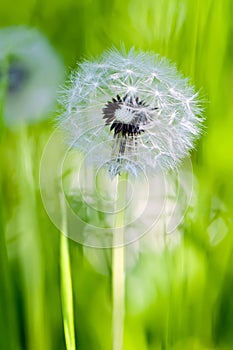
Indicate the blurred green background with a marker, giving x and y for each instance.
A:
(178, 299)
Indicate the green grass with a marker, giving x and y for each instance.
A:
(179, 299)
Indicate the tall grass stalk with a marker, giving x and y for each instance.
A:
(66, 285)
(118, 265)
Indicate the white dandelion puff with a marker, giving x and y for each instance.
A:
(130, 110)
(34, 72)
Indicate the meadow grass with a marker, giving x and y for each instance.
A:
(179, 299)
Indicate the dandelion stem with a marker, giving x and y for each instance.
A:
(29, 247)
(7, 301)
(118, 262)
(66, 286)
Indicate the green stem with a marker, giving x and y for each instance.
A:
(29, 243)
(7, 302)
(66, 286)
(118, 265)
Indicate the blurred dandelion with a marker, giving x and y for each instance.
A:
(33, 71)
(30, 72)
(131, 110)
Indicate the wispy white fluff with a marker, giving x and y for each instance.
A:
(25, 52)
(170, 101)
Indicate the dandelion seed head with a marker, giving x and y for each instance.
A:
(34, 72)
(145, 114)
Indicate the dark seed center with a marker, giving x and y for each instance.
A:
(126, 116)
(16, 76)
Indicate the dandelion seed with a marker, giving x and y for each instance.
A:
(34, 72)
(131, 110)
